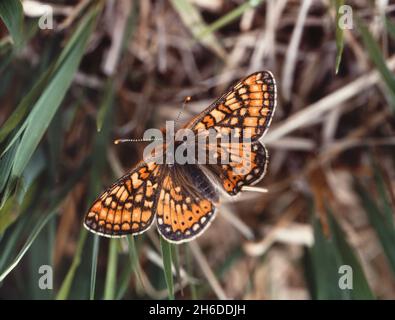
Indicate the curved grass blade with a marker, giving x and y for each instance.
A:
(25, 193)
(67, 282)
(22, 109)
(36, 230)
(133, 267)
(39, 225)
(376, 56)
(48, 103)
(229, 17)
(12, 240)
(167, 266)
(11, 12)
(193, 20)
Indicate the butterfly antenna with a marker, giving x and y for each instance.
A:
(118, 141)
(186, 100)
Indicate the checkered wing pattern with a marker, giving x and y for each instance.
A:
(186, 204)
(128, 206)
(242, 114)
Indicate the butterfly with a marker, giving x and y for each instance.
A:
(183, 198)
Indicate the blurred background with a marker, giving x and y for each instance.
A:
(75, 75)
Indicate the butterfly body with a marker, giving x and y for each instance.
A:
(184, 195)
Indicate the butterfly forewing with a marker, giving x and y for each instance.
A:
(128, 206)
(249, 104)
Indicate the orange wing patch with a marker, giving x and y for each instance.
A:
(128, 206)
(247, 166)
(185, 211)
(244, 112)
(247, 105)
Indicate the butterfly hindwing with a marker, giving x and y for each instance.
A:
(186, 204)
(247, 166)
(128, 206)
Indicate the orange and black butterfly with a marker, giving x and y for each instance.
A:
(183, 198)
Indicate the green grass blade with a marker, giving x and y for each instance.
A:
(383, 227)
(190, 269)
(35, 167)
(111, 276)
(229, 17)
(11, 12)
(95, 253)
(39, 254)
(325, 259)
(339, 35)
(36, 230)
(107, 101)
(45, 108)
(167, 264)
(25, 192)
(134, 258)
(376, 56)
(45, 217)
(390, 27)
(68, 281)
(12, 241)
(193, 20)
(5, 166)
(176, 262)
(22, 109)
(30, 98)
(361, 289)
(125, 277)
(8, 213)
(383, 196)
(134, 267)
